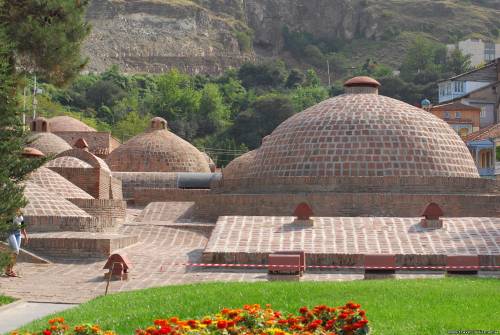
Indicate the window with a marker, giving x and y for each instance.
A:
(483, 112)
(448, 88)
(446, 115)
(458, 115)
(489, 51)
(458, 86)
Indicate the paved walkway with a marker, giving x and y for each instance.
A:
(13, 317)
(157, 260)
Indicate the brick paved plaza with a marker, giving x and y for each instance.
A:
(157, 260)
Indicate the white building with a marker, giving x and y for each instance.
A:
(481, 52)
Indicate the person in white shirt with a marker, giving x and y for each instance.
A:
(14, 240)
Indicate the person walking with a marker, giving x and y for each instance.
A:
(14, 240)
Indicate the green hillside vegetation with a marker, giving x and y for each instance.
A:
(229, 114)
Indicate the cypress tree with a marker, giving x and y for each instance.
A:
(36, 36)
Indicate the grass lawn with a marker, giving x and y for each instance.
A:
(4, 300)
(431, 306)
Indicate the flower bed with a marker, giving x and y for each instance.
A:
(249, 320)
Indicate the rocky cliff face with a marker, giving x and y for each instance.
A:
(203, 36)
(154, 36)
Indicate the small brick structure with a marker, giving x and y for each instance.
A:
(432, 216)
(379, 266)
(303, 213)
(118, 266)
(284, 265)
(470, 263)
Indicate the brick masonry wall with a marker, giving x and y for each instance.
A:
(131, 180)
(109, 211)
(78, 247)
(86, 179)
(144, 196)
(116, 189)
(68, 223)
(209, 207)
(392, 184)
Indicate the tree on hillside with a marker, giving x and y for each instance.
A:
(457, 62)
(266, 114)
(41, 36)
(214, 115)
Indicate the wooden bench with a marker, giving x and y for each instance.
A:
(281, 264)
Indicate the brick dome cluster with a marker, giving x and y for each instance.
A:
(157, 150)
(48, 143)
(360, 134)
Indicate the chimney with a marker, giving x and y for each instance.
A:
(432, 214)
(303, 213)
(361, 85)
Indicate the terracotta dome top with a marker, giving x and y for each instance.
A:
(68, 162)
(42, 202)
(240, 166)
(55, 183)
(157, 150)
(362, 81)
(363, 135)
(32, 152)
(48, 143)
(67, 123)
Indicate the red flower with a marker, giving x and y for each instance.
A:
(343, 316)
(206, 322)
(47, 332)
(303, 310)
(221, 324)
(165, 330)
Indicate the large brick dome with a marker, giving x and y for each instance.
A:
(362, 133)
(67, 123)
(157, 150)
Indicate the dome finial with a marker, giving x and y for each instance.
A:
(361, 85)
(158, 123)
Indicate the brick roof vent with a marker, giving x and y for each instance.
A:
(32, 153)
(432, 216)
(81, 144)
(303, 211)
(361, 85)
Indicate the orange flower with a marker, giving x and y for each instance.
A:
(222, 324)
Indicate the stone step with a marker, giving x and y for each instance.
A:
(78, 244)
(24, 255)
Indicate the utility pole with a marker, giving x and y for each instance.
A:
(35, 102)
(328, 69)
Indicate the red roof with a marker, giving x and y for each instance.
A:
(492, 131)
(455, 106)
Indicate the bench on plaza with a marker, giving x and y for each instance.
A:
(284, 264)
(462, 264)
(379, 266)
(302, 255)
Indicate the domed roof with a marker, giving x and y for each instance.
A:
(48, 143)
(157, 150)
(210, 162)
(68, 162)
(362, 81)
(240, 166)
(45, 203)
(67, 123)
(363, 134)
(55, 183)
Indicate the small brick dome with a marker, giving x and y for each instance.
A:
(240, 166)
(363, 134)
(48, 143)
(68, 162)
(157, 150)
(67, 123)
(55, 183)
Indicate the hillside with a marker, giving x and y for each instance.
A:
(207, 36)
